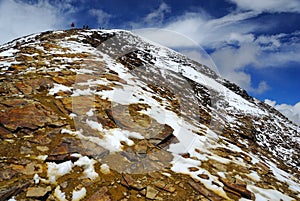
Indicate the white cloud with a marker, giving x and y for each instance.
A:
(231, 63)
(217, 33)
(269, 5)
(228, 58)
(166, 37)
(279, 50)
(157, 16)
(18, 18)
(262, 87)
(292, 112)
(233, 43)
(101, 16)
(210, 32)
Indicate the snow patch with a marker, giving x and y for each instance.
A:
(93, 124)
(57, 170)
(88, 165)
(36, 179)
(59, 87)
(79, 194)
(105, 169)
(61, 196)
(268, 194)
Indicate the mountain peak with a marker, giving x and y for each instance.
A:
(108, 115)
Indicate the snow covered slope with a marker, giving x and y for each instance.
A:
(108, 113)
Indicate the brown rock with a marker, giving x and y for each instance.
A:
(141, 147)
(263, 168)
(5, 134)
(79, 104)
(100, 195)
(160, 184)
(203, 176)
(33, 168)
(65, 80)
(40, 84)
(24, 88)
(7, 192)
(37, 192)
(239, 188)
(15, 102)
(170, 188)
(42, 148)
(131, 183)
(31, 116)
(112, 77)
(61, 107)
(151, 193)
(193, 169)
(201, 189)
(7, 174)
(167, 187)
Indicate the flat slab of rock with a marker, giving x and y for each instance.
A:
(32, 116)
(151, 193)
(37, 192)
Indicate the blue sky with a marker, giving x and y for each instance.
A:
(255, 44)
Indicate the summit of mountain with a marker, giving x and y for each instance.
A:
(108, 115)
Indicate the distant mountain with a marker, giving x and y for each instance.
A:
(108, 115)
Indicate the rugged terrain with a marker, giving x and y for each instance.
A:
(107, 115)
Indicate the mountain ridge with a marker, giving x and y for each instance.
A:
(163, 112)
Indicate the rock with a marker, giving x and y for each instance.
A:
(42, 148)
(131, 183)
(25, 150)
(63, 151)
(8, 174)
(167, 187)
(61, 158)
(262, 168)
(239, 188)
(203, 176)
(170, 188)
(33, 168)
(141, 147)
(5, 134)
(206, 193)
(112, 77)
(160, 184)
(32, 116)
(7, 192)
(37, 192)
(100, 195)
(24, 88)
(40, 84)
(151, 193)
(193, 169)
(65, 80)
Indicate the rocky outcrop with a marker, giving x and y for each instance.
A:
(104, 115)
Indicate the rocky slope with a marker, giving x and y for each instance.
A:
(107, 115)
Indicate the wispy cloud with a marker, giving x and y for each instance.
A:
(233, 41)
(268, 5)
(290, 111)
(232, 61)
(157, 16)
(101, 16)
(19, 18)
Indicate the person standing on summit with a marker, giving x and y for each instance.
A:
(72, 25)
